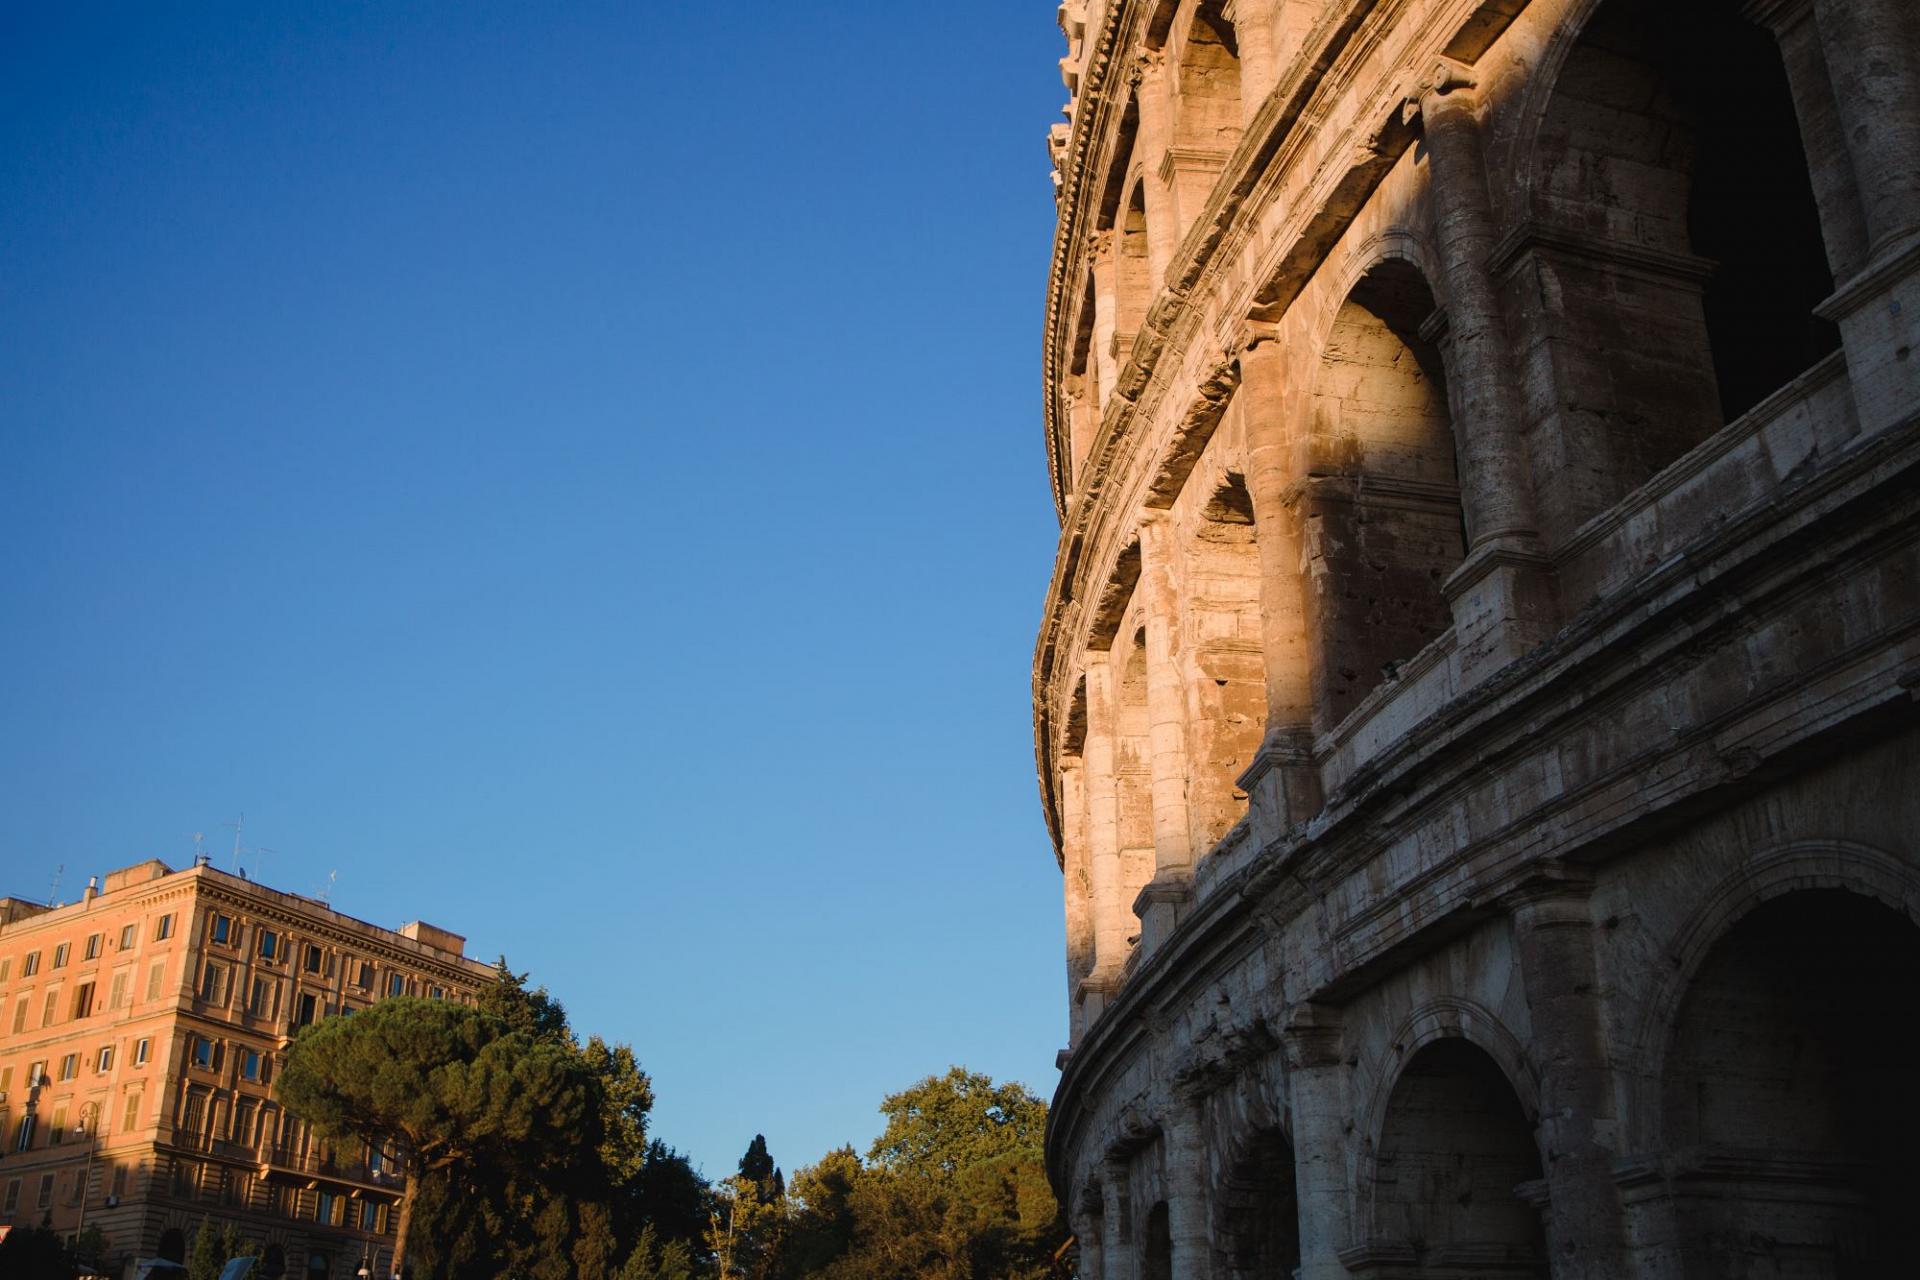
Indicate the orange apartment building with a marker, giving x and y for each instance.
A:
(141, 1030)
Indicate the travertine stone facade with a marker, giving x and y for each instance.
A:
(141, 1031)
(1475, 702)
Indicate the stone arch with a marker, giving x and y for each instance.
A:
(1784, 1092)
(1133, 764)
(173, 1245)
(1668, 205)
(1225, 684)
(1384, 489)
(1206, 80)
(1793, 867)
(1081, 387)
(1256, 1211)
(1133, 273)
(1156, 1244)
(1452, 1172)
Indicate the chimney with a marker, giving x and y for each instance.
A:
(93, 890)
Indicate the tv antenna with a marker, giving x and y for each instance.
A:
(53, 890)
(237, 824)
(326, 890)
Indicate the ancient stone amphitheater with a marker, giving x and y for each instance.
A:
(1476, 696)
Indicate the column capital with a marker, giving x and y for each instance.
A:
(1447, 86)
(1314, 1036)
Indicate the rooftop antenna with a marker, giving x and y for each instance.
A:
(199, 851)
(53, 890)
(326, 890)
(237, 824)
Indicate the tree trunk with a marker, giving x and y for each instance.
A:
(406, 1219)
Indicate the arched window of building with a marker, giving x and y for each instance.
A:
(1156, 1253)
(1133, 279)
(1082, 387)
(1384, 490)
(1226, 688)
(1133, 768)
(1683, 242)
(1257, 1213)
(1207, 80)
(1455, 1146)
(1786, 1090)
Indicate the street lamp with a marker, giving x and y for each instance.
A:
(86, 1175)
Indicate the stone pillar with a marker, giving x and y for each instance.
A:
(1259, 58)
(1873, 57)
(1283, 784)
(1077, 890)
(1502, 596)
(1111, 919)
(1087, 1222)
(1116, 1220)
(1154, 95)
(1842, 226)
(1106, 284)
(1160, 902)
(1319, 1109)
(1189, 1203)
(1872, 50)
(1553, 933)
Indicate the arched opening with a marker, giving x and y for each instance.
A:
(1455, 1147)
(1257, 1213)
(1133, 277)
(1688, 255)
(1226, 685)
(173, 1245)
(319, 1265)
(1385, 494)
(273, 1263)
(1786, 1093)
(1156, 1249)
(1207, 81)
(1082, 387)
(1133, 769)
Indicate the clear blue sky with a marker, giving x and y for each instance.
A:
(574, 470)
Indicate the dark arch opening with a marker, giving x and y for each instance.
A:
(273, 1263)
(1671, 152)
(1258, 1213)
(1455, 1147)
(1787, 1093)
(1133, 281)
(1386, 491)
(1156, 1255)
(173, 1245)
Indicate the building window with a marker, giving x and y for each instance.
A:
(105, 1062)
(366, 976)
(328, 1208)
(269, 944)
(70, 1066)
(119, 1183)
(57, 1131)
(163, 928)
(203, 1053)
(370, 1216)
(117, 994)
(140, 1048)
(51, 1007)
(313, 959)
(23, 1136)
(127, 936)
(265, 1000)
(6, 967)
(249, 1064)
(60, 955)
(20, 1016)
(131, 1119)
(83, 1000)
(396, 985)
(30, 965)
(155, 976)
(45, 1200)
(37, 1074)
(93, 947)
(213, 984)
(6, 1079)
(12, 1201)
(309, 1010)
(439, 993)
(222, 928)
(194, 1117)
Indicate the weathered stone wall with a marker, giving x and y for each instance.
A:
(1478, 678)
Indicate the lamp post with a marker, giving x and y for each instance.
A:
(86, 1174)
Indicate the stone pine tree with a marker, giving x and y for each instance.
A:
(445, 1086)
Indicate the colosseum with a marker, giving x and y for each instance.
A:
(1475, 701)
